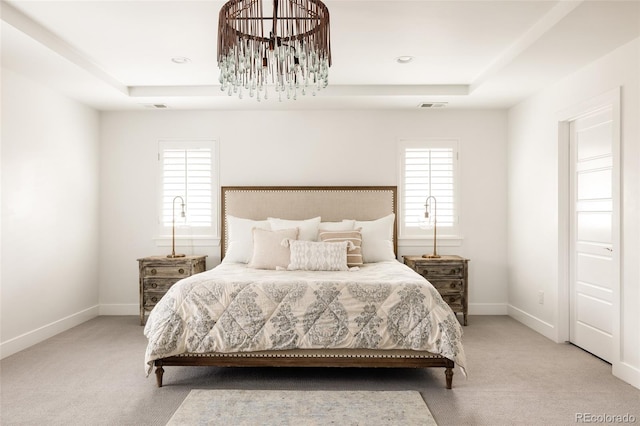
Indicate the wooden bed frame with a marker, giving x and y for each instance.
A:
(332, 203)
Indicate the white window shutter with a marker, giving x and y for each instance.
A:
(428, 169)
(187, 171)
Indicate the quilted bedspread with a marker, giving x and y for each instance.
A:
(232, 308)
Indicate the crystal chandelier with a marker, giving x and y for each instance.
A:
(294, 56)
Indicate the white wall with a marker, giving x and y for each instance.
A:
(49, 213)
(533, 229)
(299, 148)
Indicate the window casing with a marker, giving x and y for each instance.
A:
(428, 168)
(188, 169)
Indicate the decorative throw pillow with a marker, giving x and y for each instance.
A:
(377, 239)
(354, 257)
(240, 238)
(318, 256)
(268, 250)
(308, 227)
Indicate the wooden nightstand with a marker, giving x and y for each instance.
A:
(449, 275)
(159, 273)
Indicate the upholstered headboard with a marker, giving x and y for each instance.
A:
(332, 203)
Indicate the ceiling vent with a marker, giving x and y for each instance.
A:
(432, 105)
(155, 106)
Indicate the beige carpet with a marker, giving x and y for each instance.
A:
(277, 407)
(94, 375)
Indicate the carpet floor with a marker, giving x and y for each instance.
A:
(93, 374)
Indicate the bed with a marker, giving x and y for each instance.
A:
(294, 303)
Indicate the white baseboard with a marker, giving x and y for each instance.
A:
(535, 323)
(627, 373)
(487, 309)
(120, 309)
(38, 335)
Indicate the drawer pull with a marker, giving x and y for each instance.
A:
(153, 271)
(452, 299)
(181, 271)
(154, 285)
(452, 285)
(154, 299)
(453, 272)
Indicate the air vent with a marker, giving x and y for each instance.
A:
(432, 105)
(155, 106)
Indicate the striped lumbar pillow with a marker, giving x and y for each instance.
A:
(354, 256)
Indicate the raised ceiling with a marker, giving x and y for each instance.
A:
(116, 55)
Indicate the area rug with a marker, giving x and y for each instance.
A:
(276, 407)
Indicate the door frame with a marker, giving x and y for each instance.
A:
(612, 99)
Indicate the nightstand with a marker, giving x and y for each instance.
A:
(159, 273)
(449, 275)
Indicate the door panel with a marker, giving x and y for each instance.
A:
(593, 270)
(594, 185)
(593, 313)
(594, 227)
(590, 145)
(600, 293)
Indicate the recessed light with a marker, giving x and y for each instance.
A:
(180, 60)
(404, 59)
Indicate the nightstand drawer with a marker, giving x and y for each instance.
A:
(173, 271)
(441, 270)
(151, 298)
(158, 284)
(454, 301)
(445, 286)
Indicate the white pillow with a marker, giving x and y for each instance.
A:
(345, 225)
(240, 238)
(308, 228)
(269, 252)
(377, 239)
(318, 256)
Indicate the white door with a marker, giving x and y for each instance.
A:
(591, 256)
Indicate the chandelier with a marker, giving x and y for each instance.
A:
(288, 52)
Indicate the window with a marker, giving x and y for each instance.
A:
(188, 169)
(428, 168)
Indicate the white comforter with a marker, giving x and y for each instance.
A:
(232, 308)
